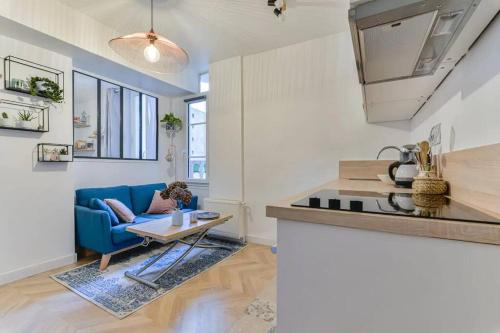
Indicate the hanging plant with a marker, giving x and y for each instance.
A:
(44, 87)
(172, 122)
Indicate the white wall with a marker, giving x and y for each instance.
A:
(36, 199)
(302, 113)
(468, 102)
(225, 130)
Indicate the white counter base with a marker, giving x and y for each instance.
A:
(341, 280)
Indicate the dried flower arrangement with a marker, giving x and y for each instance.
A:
(177, 191)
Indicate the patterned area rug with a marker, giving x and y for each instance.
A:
(121, 296)
(260, 315)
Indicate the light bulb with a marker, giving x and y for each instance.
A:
(151, 53)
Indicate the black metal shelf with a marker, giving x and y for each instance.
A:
(51, 153)
(10, 108)
(20, 84)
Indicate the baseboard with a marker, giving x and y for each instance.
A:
(260, 240)
(27, 271)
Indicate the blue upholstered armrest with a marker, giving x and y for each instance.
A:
(93, 229)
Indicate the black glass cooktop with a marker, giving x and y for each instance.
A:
(416, 205)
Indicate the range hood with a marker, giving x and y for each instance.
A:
(398, 39)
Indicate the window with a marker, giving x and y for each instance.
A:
(197, 138)
(113, 122)
(204, 84)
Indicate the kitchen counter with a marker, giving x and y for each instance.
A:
(356, 272)
(454, 230)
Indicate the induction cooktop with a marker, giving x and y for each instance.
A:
(405, 204)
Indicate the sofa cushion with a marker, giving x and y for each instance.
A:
(101, 205)
(122, 211)
(121, 193)
(160, 205)
(142, 195)
(119, 234)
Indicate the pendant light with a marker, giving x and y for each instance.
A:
(151, 51)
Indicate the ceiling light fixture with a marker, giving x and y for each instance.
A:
(151, 51)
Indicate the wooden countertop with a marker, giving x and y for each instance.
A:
(415, 226)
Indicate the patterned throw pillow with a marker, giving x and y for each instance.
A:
(101, 205)
(123, 212)
(160, 205)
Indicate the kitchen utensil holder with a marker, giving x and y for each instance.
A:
(428, 201)
(428, 183)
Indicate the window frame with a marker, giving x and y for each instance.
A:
(98, 108)
(199, 82)
(189, 101)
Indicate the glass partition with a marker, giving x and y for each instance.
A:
(85, 115)
(113, 122)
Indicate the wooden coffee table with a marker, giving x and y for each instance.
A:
(163, 231)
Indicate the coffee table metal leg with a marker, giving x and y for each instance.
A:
(206, 245)
(152, 282)
(174, 243)
(166, 270)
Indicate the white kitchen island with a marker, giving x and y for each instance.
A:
(346, 272)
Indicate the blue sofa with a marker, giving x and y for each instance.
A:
(94, 229)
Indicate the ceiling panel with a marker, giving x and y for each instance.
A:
(212, 30)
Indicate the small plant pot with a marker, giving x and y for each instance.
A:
(40, 86)
(64, 158)
(24, 124)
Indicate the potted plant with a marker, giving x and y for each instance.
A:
(172, 123)
(47, 154)
(63, 155)
(44, 87)
(177, 191)
(51, 155)
(24, 119)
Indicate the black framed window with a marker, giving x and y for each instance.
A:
(113, 122)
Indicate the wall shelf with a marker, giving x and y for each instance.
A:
(80, 125)
(11, 109)
(51, 152)
(17, 72)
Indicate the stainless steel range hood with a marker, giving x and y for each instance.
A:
(398, 39)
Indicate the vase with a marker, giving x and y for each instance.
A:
(177, 218)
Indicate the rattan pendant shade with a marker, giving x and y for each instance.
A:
(151, 51)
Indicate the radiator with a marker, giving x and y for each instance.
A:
(235, 228)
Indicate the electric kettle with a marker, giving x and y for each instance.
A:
(403, 171)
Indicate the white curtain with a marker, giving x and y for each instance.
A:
(111, 124)
(149, 128)
(131, 120)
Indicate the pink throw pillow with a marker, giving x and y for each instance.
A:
(123, 212)
(160, 205)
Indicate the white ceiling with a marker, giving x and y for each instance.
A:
(212, 30)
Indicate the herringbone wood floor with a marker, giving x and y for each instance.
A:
(211, 302)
